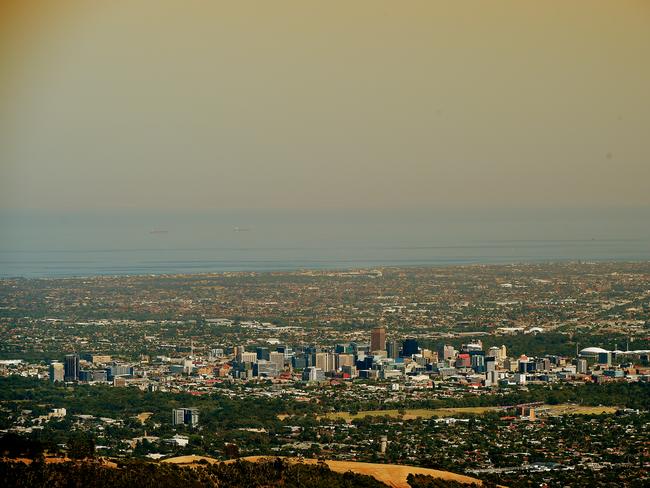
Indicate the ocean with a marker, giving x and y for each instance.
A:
(129, 243)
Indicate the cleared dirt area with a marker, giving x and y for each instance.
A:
(393, 475)
(144, 416)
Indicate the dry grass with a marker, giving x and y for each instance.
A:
(413, 413)
(144, 416)
(393, 475)
(570, 409)
(554, 410)
(190, 460)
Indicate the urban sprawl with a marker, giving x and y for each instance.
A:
(507, 373)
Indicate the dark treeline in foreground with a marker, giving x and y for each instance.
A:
(276, 473)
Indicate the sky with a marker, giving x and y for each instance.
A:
(366, 105)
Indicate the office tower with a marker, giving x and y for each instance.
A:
(344, 349)
(581, 366)
(429, 355)
(504, 352)
(492, 378)
(378, 339)
(116, 369)
(286, 350)
(71, 367)
(392, 349)
(178, 416)
(299, 362)
(447, 352)
(247, 357)
(605, 358)
(478, 363)
(185, 416)
(544, 365)
(490, 363)
(57, 372)
(324, 361)
(344, 360)
(495, 352)
(263, 353)
(410, 347)
(510, 364)
(99, 375)
(100, 358)
(277, 358)
(313, 374)
(265, 369)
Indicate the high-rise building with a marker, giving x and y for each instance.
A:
(263, 353)
(57, 372)
(344, 360)
(286, 350)
(265, 369)
(277, 358)
(118, 369)
(299, 362)
(447, 352)
(392, 349)
(605, 358)
(247, 357)
(494, 352)
(378, 339)
(324, 361)
(185, 416)
(71, 367)
(581, 366)
(410, 347)
(313, 374)
(100, 358)
(490, 363)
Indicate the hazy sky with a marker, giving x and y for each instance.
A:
(157, 104)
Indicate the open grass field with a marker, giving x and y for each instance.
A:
(393, 475)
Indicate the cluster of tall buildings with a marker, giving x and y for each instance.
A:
(344, 360)
(70, 369)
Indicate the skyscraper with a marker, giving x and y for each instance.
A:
(410, 347)
(324, 361)
(378, 339)
(185, 416)
(57, 372)
(71, 367)
(392, 349)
